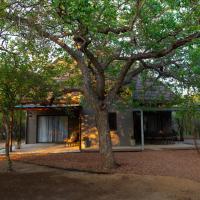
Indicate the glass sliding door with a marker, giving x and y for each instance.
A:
(44, 129)
(61, 128)
(52, 128)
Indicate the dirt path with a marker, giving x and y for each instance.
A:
(37, 183)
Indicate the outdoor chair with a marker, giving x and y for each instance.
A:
(171, 137)
(72, 141)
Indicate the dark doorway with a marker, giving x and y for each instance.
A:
(137, 126)
(112, 119)
(155, 123)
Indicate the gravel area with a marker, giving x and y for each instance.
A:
(176, 163)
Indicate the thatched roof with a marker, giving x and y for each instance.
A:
(149, 90)
(72, 98)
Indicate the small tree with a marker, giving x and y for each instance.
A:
(22, 77)
(188, 117)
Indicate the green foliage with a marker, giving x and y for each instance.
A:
(159, 24)
(188, 116)
(23, 76)
(195, 59)
(156, 25)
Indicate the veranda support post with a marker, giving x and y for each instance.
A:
(142, 129)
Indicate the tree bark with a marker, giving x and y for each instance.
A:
(11, 124)
(7, 144)
(105, 144)
(20, 130)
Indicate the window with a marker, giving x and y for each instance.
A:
(52, 128)
(112, 120)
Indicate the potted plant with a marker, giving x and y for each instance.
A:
(132, 140)
(86, 141)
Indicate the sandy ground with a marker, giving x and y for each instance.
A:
(148, 175)
(177, 163)
(37, 183)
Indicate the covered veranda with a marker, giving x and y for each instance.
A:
(164, 143)
(60, 148)
(154, 129)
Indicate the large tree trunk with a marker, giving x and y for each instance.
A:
(105, 144)
(7, 144)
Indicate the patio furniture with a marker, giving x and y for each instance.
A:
(73, 140)
(86, 141)
(171, 137)
(161, 137)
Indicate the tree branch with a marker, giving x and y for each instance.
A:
(124, 29)
(166, 74)
(111, 58)
(114, 90)
(119, 30)
(141, 56)
(132, 74)
(33, 26)
(8, 51)
(165, 51)
(172, 47)
(94, 60)
(99, 73)
(87, 86)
